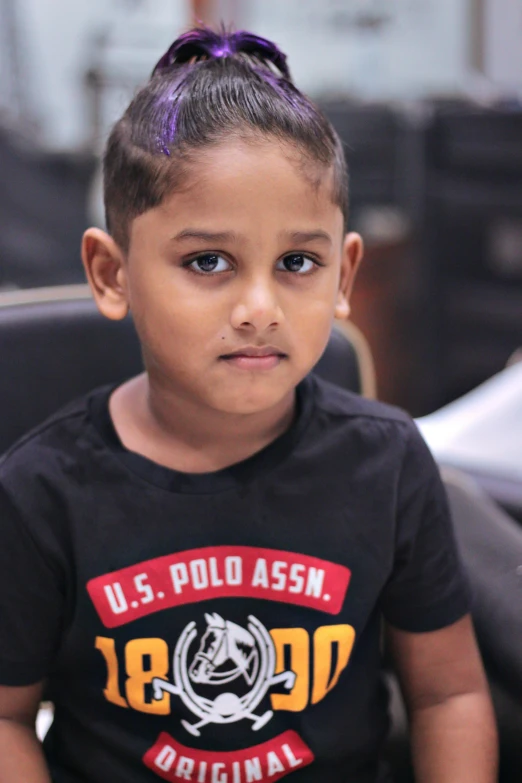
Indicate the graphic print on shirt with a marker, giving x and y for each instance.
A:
(223, 671)
(227, 653)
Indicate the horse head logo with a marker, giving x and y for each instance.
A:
(226, 652)
(225, 642)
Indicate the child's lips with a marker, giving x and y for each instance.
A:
(253, 358)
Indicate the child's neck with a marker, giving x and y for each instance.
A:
(154, 422)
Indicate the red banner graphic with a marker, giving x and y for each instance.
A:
(269, 761)
(218, 572)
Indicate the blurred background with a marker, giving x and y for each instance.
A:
(426, 95)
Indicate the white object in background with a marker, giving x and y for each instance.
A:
(481, 431)
(502, 50)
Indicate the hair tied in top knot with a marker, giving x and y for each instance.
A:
(202, 43)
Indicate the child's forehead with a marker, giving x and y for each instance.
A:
(259, 155)
(257, 174)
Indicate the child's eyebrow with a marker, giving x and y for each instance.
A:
(205, 236)
(307, 236)
(230, 236)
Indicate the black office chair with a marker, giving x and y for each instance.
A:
(490, 542)
(55, 346)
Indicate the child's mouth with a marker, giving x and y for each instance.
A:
(252, 358)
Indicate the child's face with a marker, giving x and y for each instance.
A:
(249, 258)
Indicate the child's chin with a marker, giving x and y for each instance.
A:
(253, 402)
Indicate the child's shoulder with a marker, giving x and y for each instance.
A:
(377, 427)
(373, 425)
(53, 439)
(373, 431)
(335, 401)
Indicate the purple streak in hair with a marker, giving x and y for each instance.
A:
(204, 43)
(168, 132)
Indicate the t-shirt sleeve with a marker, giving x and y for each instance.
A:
(31, 601)
(427, 589)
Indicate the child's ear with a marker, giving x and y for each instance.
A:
(352, 254)
(104, 265)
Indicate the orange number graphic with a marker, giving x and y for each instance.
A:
(324, 639)
(157, 651)
(112, 689)
(297, 641)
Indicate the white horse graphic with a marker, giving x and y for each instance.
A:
(252, 656)
(224, 641)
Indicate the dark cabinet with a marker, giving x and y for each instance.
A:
(470, 254)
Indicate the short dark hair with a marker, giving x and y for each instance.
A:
(208, 87)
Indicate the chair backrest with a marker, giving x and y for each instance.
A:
(490, 543)
(55, 346)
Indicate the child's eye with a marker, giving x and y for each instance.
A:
(208, 264)
(296, 262)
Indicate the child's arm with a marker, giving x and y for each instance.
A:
(21, 756)
(452, 723)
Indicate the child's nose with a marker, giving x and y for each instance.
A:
(257, 307)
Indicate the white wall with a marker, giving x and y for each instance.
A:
(56, 38)
(422, 45)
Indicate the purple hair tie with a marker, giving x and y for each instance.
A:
(203, 43)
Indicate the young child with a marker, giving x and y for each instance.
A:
(195, 565)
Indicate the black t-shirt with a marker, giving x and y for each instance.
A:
(223, 627)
